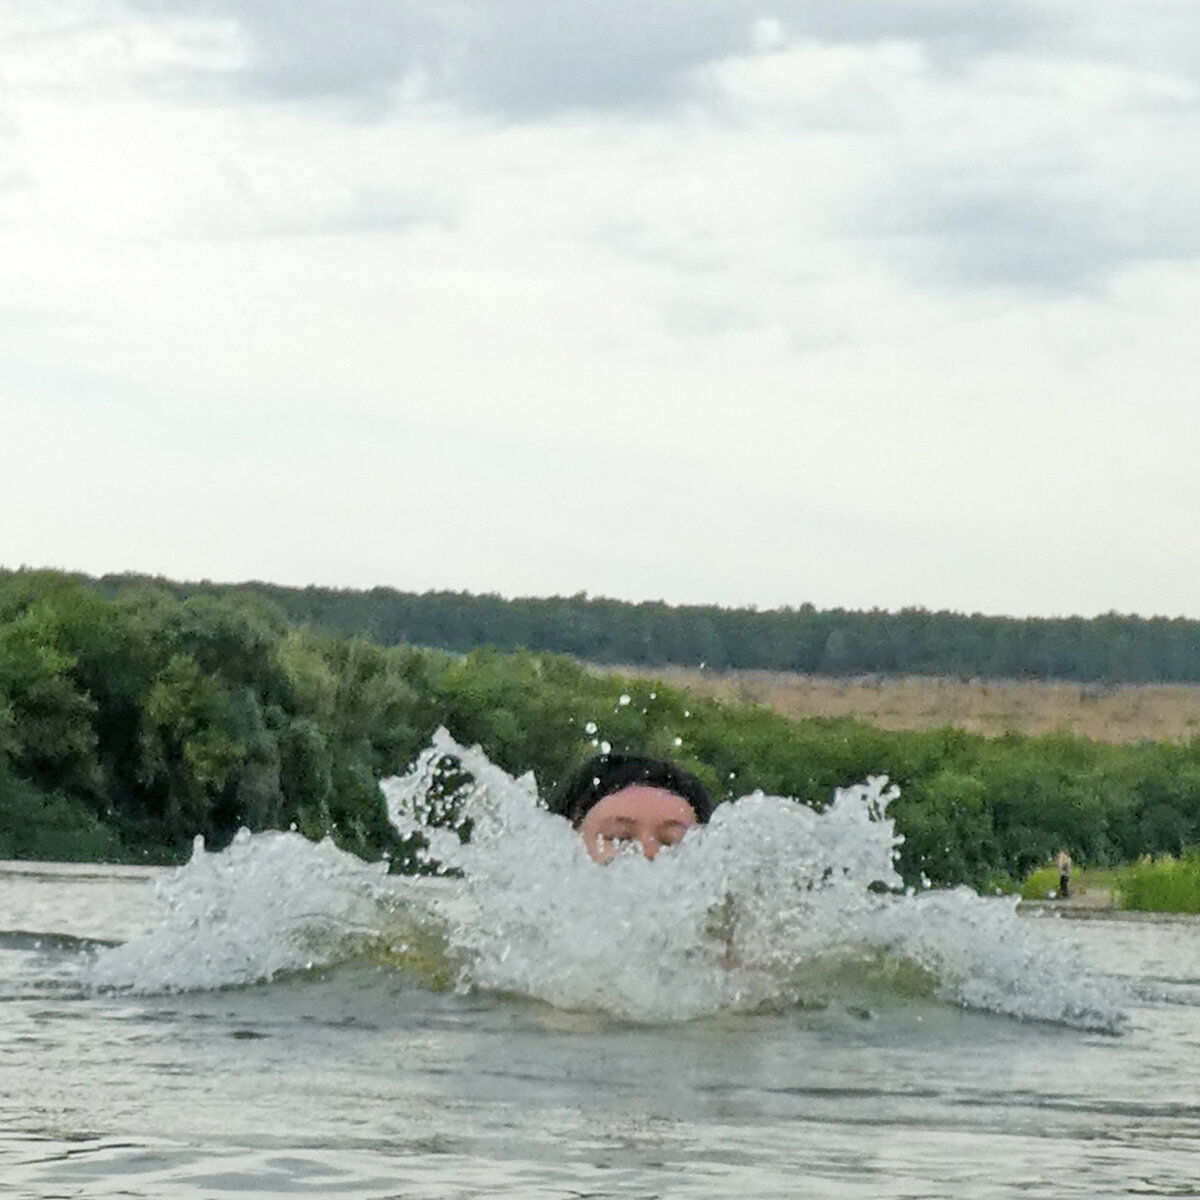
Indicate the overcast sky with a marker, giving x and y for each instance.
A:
(870, 303)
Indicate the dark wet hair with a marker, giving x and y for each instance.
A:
(608, 773)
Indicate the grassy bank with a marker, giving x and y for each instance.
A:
(1166, 884)
(1097, 883)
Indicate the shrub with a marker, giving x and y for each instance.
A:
(1041, 884)
(1165, 884)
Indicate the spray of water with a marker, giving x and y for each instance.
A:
(269, 903)
(770, 905)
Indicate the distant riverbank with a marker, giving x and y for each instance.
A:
(134, 724)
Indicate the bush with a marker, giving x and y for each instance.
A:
(1164, 884)
(51, 826)
(1041, 884)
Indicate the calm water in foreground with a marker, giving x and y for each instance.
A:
(353, 1081)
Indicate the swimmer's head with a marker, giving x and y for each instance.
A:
(617, 799)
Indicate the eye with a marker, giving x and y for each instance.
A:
(615, 840)
(619, 831)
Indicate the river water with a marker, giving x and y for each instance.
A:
(272, 1024)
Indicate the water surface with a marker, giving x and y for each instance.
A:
(355, 1081)
(281, 1020)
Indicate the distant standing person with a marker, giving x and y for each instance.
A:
(1063, 862)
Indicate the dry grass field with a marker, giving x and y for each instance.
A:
(1127, 713)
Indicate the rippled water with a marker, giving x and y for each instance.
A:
(357, 1077)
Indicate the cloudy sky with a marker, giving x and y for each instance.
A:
(855, 302)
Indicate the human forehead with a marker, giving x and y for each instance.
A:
(641, 802)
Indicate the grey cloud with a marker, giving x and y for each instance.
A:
(1021, 240)
(949, 28)
(520, 57)
(531, 57)
(1155, 35)
(1012, 237)
(540, 56)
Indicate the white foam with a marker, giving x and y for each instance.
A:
(750, 910)
(267, 904)
(770, 904)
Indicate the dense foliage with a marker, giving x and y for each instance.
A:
(1111, 648)
(130, 723)
(1166, 884)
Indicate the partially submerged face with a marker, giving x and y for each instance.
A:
(651, 816)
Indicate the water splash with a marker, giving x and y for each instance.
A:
(269, 903)
(768, 906)
(771, 904)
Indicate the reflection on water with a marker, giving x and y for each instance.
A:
(858, 1068)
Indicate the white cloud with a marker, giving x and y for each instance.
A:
(839, 321)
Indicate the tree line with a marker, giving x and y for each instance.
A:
(914, 641)
(131, 722)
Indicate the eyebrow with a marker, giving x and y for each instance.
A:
(673, 825)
